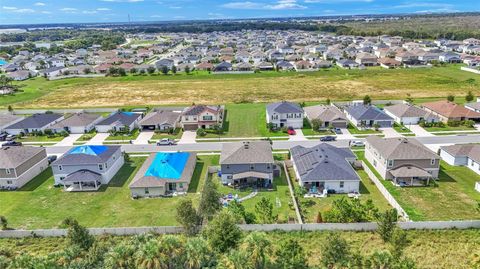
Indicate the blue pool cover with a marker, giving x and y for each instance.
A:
(89, 150)
(168, 165)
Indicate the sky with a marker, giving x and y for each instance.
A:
(71, 11)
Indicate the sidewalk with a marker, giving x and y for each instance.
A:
(299, 136)
(419, 131)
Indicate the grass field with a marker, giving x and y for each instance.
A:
(335, 84)
(42, 138)
(40, 205)
(453, 197)
(444, 249)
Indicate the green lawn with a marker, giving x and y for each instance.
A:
(87, 136)
(132, 136)
(354, 130)
(402, 129)
(453, 197)
(310, 207)
(42, 138)
(40, 205)
(175, 135)
(449, 128)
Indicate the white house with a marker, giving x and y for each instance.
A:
(285, 114)
(462, 155)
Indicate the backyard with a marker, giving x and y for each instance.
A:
(40, 205)
(336, 84)
(452, 197)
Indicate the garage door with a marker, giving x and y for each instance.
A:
(190, 127)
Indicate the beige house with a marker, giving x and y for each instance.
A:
(201, 116)
(19, 165)
(406, 162)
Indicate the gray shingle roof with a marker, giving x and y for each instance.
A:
(12, 157)
(404, 110)
(8, 119)
(324, 162)
(83, 175)
(246, 152)
(35, 121)
(401, 148)
(161, 117)
(77, 120)
(284, 107)
(324, 113)
(362, 112)
(124, 118)
(471, 151)
(197, 109)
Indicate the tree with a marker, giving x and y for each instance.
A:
(148, 256)
(335, 252)
(198, 254)
(409, 99)
(187, 69)
(387, 222)
(87, 71)
(367, 100)
(174, 69)
(151, 70)
(120, 256)
(121, 72)
(217, 128)
(209, 200)
(240, 214)
(264, 211)
(451, 98)
(133, 70)
(78, 235)
(319, 218)
(3, 222)
(187, 216)
(10, 108)
(290, 254)
(351, 210)
(469, 97)
(222, 233)
(201, 132)
(398, 242)
(328, 101)
(259, 248)
(164, 70)
(316, 124)
(376, 126)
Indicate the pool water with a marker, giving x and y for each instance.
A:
(168, 165)
(3, 62)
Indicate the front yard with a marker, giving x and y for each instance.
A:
(449, 128)
(177, 134)
(452, 197)
(40, 205)
(40, 138)
(124, 137)
(356, 131)
(402, 129)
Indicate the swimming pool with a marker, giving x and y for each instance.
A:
(168, 165)
(3, 62)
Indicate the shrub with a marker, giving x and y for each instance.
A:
(201, 132)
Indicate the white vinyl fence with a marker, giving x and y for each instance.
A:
(367, 226)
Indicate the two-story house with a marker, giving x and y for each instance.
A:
(404, 161)
(86, 168)
(285, 114)
(201, 116)
(19, 165)
(247, 163)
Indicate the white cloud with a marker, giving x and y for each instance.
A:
(156, 16)
(337, 1)
(175, 7)
(68, 9)
(431, 5)
(89, 12)
(103, 9)
(39, 4)
(46, 12)
(278, 5)
(9, 8)
(24, 10)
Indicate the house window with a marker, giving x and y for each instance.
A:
(8, 171)
(114, 158)
(62, 178)
(60, 167)
(100, 167)
(252, 167)
(342, 184)
(432, 161)
(106, 165)
(375, 163)
(228, 166)
(180, 185)
(9, 182)
(390, 163)
(229, 177)
(208, 117)
(268, 166)
(147, 191)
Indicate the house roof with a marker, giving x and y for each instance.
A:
(405, 110)
(451, 110)
(87, 154)
(324, 162)
(7, 118)
(197, 109)
(409, 171)
(284, 107)
(471, 151)
(401, 148)
(362, 112)
(123, 118)
(83, 175)
(325, 113)
(161, 117)
(246, 152)
(475, 105)
(35, 121)
(12, 157)
(77, 120)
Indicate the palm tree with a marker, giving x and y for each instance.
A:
(197, 253)
(258, 247)
(171, 249)
(149, 256)
(120, 257)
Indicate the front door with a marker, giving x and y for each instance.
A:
(172, 186)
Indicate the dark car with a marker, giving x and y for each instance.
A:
(3, 137)
(52, 158)
(328, 138)
(11, 143)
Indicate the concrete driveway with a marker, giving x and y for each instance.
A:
(299, 136)
(143, 137)
(419, 131)
(98, 139)
(345, 134)
(188, 137)
(68, 141)
(390, 132)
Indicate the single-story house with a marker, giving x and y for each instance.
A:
(347, 64)
(462, 155)
(78, 123)
(117, 122)
(285, 114)
(163, 174)
(86, 168)
(448, 111)
(367, 116)
(409, 114)
(325, 167)
(34, 123)
(328, 115)
(7, 119)
(19, 165)
(162, 120)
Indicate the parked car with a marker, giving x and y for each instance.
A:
(166, 142)
(10, 137)
(291, 131)
(51, 158)
(338, 131)
(11, 143)
(328, 138)
(357, 143)
(3, 137)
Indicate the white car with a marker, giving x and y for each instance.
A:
(357, 143)
(166, 142)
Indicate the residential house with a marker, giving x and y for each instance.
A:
(87, 168)
(325, 167)
(409, 114)
(450, 111)
(462, 155)
(473, 106)
(367, 116)
(328, 115)
(164, 174)
(406, 162)
(347, 64)
(389, 63)
(162, 120)
(78, 123)
(201, 116)
(284, 66)
(247, 163)
(19, 165)
(223, 67)
(449, 57)
(34, 123)
(7, 119)
(118, 121)
(19, 75)
(366, 59)
(285, 114)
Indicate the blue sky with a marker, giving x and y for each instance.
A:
(51, 11)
